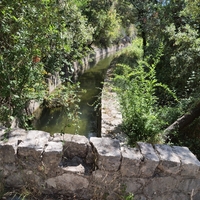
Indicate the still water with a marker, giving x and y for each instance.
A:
(54, 120)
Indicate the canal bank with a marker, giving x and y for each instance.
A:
(54, 120)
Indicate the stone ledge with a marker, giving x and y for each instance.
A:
(108, 153)
(169, 161)
(190, 165)
(73, 164)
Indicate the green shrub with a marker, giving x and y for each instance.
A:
(136, 88)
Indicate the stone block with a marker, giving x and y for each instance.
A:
(108, 153)
(67, 183)
(150, 161)
(53, 153)
(7, 154)
(12, 137)
(51, 158)
(169, 161)
(90, 158)
(172, 196)
(159, 185)
(196, 196)
(2, 132)
(131, 161)
(105, 182)
(8, 144)
(189, 184)
(79, 169)
(74, 145)
(8, 169)
(190, 164)
(33, 145)
(133, 185)
(15, 180)
(24, 178)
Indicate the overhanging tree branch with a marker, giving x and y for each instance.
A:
(183, 121)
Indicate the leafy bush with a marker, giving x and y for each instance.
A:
(136, 87)
(138, 103)
(36, 38)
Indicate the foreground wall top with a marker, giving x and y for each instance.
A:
(65, 163)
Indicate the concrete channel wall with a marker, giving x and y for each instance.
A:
(79, 68)
(96, 168)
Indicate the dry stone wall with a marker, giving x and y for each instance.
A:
(96, 168)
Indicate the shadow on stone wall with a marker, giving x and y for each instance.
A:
(98, 168)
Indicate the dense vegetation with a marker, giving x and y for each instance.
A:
(159, 75)
(38, 39)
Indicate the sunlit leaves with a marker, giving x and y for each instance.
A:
(36, 37)
(136, 86)
(192, 9)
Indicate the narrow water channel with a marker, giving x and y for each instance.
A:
(54, 120)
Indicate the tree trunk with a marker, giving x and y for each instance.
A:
(183, 121)
(144, 41)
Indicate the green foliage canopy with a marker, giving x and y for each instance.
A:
(136, 87)
(36, 38)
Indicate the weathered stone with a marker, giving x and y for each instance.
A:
(12, 137)
(110, 110)
(67, 183)
(74, 145)
(133, 185)
(172, 196)
(131, 161)
(101, 176)
(8, 146)
(159, 185)
(15, 180)
(76, 164)
(33, 180)
(30, 150)
(105, 182)
(169, 161)
(34, 144)
(75, 169)
(109, 155)
(7, 154)
(146, 172)
(151, 159)
(190, 164)
(187, 185)
(196, 196)
(90, 158)
(53, 153)
(51, 158)
(8, 169)
(139, 197)
(24, 178)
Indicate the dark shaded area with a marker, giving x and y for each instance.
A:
(184, 121)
